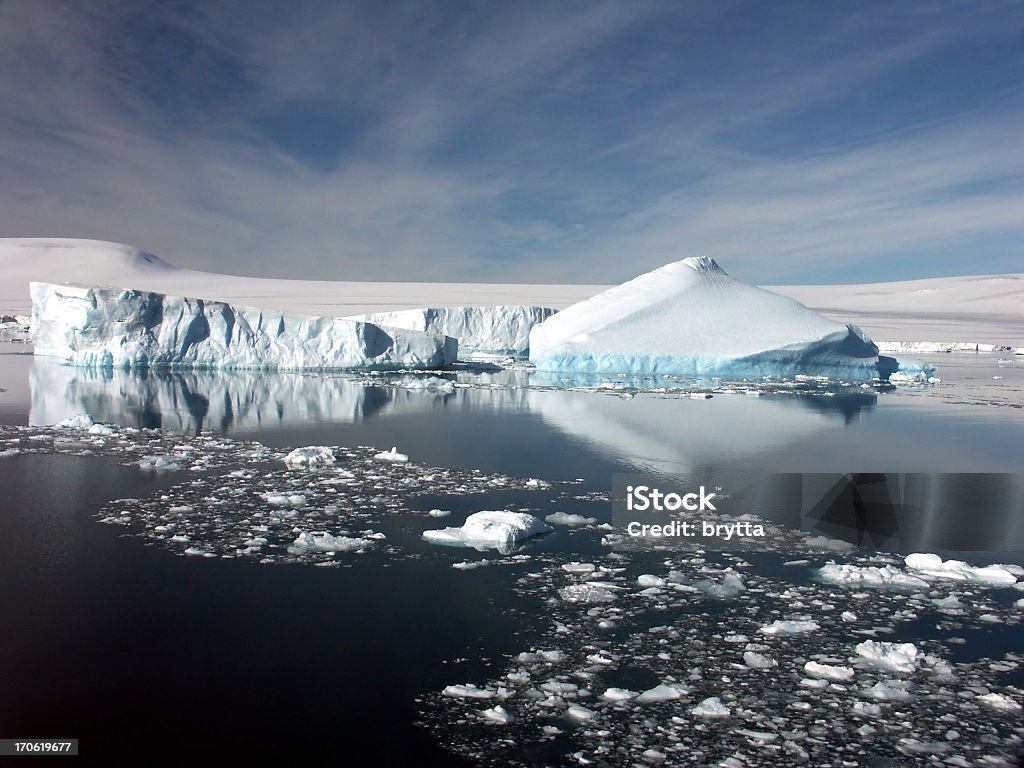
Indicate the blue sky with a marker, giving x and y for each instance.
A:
(585, 142)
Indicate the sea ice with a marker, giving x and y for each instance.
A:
(691, 318)
(310, 456)
(933, 566)
(895, 657)
(828, 671)
(711, 707)
(324, 542)
(789, 627)
(885, 576)
(490, 529)
(393, 456)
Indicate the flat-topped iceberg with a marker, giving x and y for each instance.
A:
(490, 529)
(503, 329)
(690, 318)
(114, 327)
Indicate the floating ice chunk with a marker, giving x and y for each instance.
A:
(78, 421)
(729, 587)
(393, 456)
(585, 593)
(711, 707)
(103, 429)
(848, 616)
(294, 500)
(789, 627)
(888, 690)
(490, 529)
(649, 580)
(439, 513)
(758, 661)
(576, 712)
(618, 694)
(896, 657)
(827, 671)
(562, 518)
(575, 567)
(884, 577)
(467, 691)
(160, 463)
(9, 452)
(497, 714)
(324, 542)
(866, 709)
(662, 692)
(1000, 702)
(310, 456)
(933, 566)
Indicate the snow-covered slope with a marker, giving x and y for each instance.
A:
(108, 327)
(95, 262)
(499, 329)
(968, 310)
(691, 318)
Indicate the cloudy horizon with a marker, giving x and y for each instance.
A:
(521, 142)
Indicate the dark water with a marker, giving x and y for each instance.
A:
(149, 658)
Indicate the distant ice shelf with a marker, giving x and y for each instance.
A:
(690, 318)
(502, 329)
(114, 327)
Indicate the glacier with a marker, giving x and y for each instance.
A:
(690, 318)
(116, 327)
(501, 329)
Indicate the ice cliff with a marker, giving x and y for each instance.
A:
(493, 329)
(690, 318)
(114, 327)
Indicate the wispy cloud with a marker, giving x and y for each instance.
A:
(571, 142)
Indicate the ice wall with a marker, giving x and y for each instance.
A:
(115, 327)
(494, 329)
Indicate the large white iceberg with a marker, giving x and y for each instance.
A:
(114, 327)
(690, 318)
(503, 329)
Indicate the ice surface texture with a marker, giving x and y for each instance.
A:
(498, 329)
(114, 327)
(690, 318)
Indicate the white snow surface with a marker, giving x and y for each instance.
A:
(114, 327)
(691, 318)
(490, 529)
(501, 329)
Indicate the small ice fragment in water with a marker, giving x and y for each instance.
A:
(710, 707)
(393, 456)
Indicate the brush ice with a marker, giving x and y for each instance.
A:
(691, 318)
(114, 327)
(310, 456)
(495, 329)
(490, 529)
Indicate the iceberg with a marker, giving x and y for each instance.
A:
(503, 329)
(690, 318)
(102, 327)
(490, 529)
